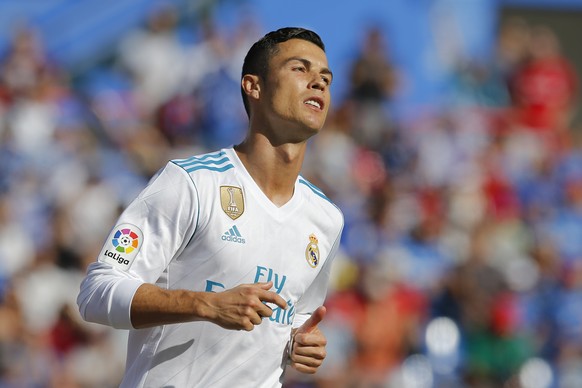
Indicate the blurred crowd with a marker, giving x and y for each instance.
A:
(461, 259)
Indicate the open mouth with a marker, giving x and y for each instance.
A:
(315, 102)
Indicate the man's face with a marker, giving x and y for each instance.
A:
(297, 87)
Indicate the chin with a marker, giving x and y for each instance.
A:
(314, 125)
(313, 128)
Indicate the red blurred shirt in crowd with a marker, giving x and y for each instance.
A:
(545, 88)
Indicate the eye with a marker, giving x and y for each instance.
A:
(300, 68)
(326, 80)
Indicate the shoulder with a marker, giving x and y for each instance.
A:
(317, 196)
(313, 190)
(217, 161)
(205, 172)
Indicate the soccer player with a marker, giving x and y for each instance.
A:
(219, 268)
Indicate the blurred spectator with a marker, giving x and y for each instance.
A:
(512, 46)
(479, 299)
(545, 87)
(334, 175)
(373, 75)
(24, 358)
(479, 84)
(373, 82)
(16, 246)
(24, 63)
(154, 59)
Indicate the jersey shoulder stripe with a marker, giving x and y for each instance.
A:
(210, 155)
(216, 161)
(316, 190)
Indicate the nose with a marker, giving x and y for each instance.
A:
(317, 83)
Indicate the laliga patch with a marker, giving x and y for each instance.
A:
(122, 246)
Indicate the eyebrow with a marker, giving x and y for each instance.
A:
(308, 63)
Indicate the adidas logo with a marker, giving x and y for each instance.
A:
(233, 235)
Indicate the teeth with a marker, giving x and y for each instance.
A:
(314, 103)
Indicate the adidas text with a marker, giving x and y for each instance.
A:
(233, 239)
(233, 235)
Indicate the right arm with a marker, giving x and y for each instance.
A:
(240, 308)
(119, 289)
(109, 297)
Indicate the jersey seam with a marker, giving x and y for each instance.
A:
(191, 179)
(154, 352)
(317, 191)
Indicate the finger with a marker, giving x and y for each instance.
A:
(264, 311)
(256, 319)
(264, 285)
(314, 338)
(248, 326)
(307, 361)
(273, 297)
(303, 368)
(306, 365)
(312, 352)
(310, 324)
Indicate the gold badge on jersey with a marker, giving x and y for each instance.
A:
(312, 251)
(232, 201)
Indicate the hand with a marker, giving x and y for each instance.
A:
(242, 307)
(308, 351)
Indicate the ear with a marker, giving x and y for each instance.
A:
(250, 85)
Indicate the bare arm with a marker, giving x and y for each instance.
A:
(239, 308)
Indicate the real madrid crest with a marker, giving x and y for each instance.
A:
(232, 201)
(312, 251)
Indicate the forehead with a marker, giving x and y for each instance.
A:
(299, 48)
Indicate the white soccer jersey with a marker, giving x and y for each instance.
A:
(203, 224)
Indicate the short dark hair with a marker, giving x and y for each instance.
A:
(257, 59)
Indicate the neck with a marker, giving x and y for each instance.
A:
(273, 167)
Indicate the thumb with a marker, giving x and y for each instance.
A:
(310, 325)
